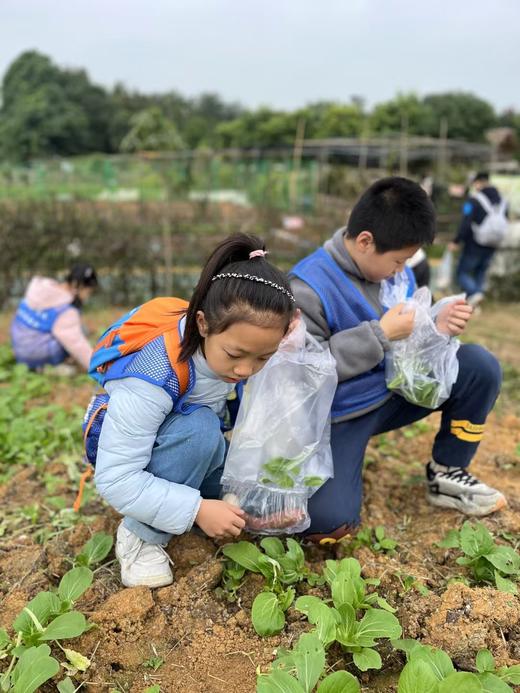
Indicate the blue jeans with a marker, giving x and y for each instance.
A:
(189, 449)
(473, 265)
(473, 395)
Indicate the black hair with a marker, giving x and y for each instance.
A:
(481, 176)
(397, 212)
(227, 300)
(82, 274)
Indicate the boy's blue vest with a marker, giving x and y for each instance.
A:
(346, 307)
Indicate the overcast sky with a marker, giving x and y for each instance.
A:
(281, 53)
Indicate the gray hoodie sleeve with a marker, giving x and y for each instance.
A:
(356, 350)
(135, 412)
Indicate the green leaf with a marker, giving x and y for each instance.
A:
(5, 640)
(377, 623)
(309, 660)
(460, 682)
(153, 689)
(348, 566)
(74, 583)
(266, 614)
(505, 585)
(43, 606)
(278, 681)
(295, 552)
(347, 616)
(325, 622)
(485, 661)
(339, 682)
(417, 677)
(383, 604)
(273, 547)
(66, 686)
(505, 559)
(367, 659)
(285, 599)
(475, 540)
(66, 626)
(314, 481)
(245, 554)
(407, 645)
(347, 590)
(510, 674)
(388, 544)
(379, 532)
(438, 661)
(320, 615)
(307, 603)
(492, 684)
(34, 668)
(96, 549)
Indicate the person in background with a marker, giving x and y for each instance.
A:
(46, 328)
(482, 228)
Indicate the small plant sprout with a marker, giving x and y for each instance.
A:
(354, 621)
(299, 670)
(487, 562)
(50, 617)
(281, 569)
(431, 670)
(375, 539)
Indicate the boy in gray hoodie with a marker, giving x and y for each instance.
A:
(337, 289)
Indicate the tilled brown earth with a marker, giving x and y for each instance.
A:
(207, 643)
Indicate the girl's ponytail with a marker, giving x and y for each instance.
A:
(225, 297)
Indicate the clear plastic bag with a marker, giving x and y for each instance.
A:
(280, 448)
(423, 367)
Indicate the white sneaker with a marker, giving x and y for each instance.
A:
(142, 563)
(454, 487)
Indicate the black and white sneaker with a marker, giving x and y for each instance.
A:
(454, 487)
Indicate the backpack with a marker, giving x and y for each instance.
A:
(493, 228)
(159, 317)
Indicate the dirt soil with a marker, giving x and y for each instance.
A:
(207, 643)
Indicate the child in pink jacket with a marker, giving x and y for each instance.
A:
(46, 328)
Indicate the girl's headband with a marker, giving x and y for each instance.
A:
(254, 278)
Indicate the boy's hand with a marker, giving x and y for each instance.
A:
(453, 317)
(219, 519)
(397, 325)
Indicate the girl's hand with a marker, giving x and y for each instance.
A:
(219, 519)
(452, 318)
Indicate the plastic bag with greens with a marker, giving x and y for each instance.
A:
(279, 453)
(423, 367)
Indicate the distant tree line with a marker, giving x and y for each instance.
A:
(49, 111)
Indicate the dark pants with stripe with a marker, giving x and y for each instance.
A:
(473, 395)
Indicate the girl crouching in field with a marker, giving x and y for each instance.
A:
(167, 368)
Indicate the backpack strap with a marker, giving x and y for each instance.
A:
(158, 317)
(484, 202)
